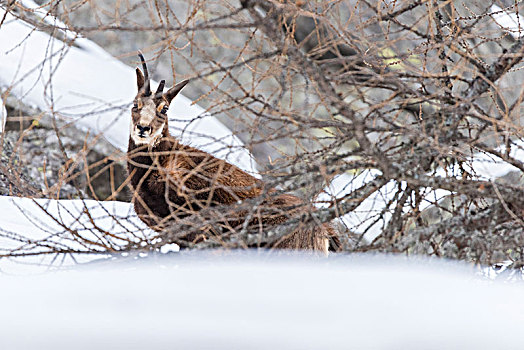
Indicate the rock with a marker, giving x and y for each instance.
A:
(66, 163)
(13, 182)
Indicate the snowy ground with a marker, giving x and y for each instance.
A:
(3, 116)
(510, 21)
(27, 228)
(256, 301)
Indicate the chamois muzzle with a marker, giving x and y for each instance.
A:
(142, 130)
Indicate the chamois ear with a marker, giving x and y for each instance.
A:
(171, 93)
(139, 79)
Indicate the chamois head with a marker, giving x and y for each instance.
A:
(149, 113)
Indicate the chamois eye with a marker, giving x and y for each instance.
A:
(135, 105)
(164, 110)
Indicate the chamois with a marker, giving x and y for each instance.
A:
(171, 180)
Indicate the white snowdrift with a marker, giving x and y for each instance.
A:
(29, 225)
(359, 219)
(86, 84)
(3, 116)
(510, 21)
(486, 167)
(204, 301)
(365, 218)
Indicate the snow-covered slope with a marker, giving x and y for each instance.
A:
(486, 167)
(84, 83)
(204, 301)
(3, 116)
(510, 21)
(40, 225)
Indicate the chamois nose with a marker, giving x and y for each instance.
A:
(142, 129)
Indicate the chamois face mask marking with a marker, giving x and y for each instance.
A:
(146, 125)
(149, 119)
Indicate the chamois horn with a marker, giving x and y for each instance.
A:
(160, 88)
(147, 88)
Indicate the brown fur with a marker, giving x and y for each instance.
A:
(171, 180)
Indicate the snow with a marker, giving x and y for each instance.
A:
(3, 116)
(510, 21)
(262, 301)
(84, 83)
(364, 219)
(359, 219)
(27, 228)
(486, 167)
